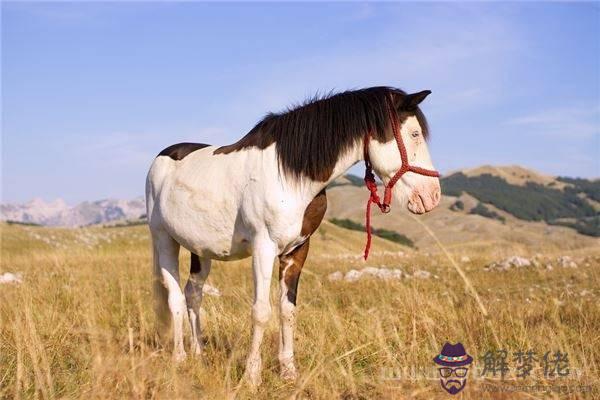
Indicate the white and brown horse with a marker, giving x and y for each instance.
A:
(265, 195)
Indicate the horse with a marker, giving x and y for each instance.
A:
(265, 195)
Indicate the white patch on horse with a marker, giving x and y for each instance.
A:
(262, 267)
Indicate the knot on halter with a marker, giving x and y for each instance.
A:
(384, 206)
(372, 186)
(373, 198)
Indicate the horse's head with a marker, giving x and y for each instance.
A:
(418, 192)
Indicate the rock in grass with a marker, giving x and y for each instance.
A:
(379, 273)
(211, 290)
(10, 278)
(566, 262)
(536, 261)
(422, 274)
(352, 275)
(510, 262)
(335, 276)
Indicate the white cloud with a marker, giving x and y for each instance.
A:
(571, 122)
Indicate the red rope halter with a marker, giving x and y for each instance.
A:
(384, 206)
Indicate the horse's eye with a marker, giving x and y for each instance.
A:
(415, 134)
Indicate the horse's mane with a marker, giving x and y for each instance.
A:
(309, 138)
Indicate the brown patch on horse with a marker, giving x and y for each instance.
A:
(180, 150)
(313, 215)
(290, 265)
(194, 264)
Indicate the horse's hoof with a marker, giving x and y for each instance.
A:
(252, 374)
(179, 356)
(254, 381)
(288, 373)
(197, 351)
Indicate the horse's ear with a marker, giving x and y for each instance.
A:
(411, 101)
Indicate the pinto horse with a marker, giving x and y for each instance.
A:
(264, 196)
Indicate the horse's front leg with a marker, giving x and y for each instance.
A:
(264, 253)
(290, 266)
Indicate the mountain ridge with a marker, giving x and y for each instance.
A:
(504, 193)
(59, 213)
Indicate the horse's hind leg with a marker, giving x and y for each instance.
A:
(161, 299)
(168, 294)
(199, 270)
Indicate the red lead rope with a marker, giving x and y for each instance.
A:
(384, 206)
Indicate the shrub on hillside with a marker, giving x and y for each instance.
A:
(353, 180)
(531, 202)
(457, 206)
(482, 210)
(382, 233)
(590, 188)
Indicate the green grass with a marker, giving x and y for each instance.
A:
(379, 232)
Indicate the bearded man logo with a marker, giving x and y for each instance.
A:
(453, 363)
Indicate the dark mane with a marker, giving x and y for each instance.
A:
(311, 137)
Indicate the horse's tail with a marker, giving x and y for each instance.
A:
(154, 181)
(161, 166)
(149, 198)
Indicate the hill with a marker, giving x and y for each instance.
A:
(480, 207)
(559, 201)
(512, 174)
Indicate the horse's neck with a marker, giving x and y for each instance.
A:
(345, 161)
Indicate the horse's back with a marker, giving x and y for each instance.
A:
(169, 158)
(179, 151)
(163, 166)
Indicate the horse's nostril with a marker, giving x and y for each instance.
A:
(436, 196)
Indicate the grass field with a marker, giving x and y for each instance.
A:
(81, 325)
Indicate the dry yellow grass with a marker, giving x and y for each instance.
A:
(81, 323)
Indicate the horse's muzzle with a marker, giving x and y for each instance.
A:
(424, 200)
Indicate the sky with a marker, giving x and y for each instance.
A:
(91, 92)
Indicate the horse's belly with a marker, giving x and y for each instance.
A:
(216, 244)
(204, 226)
